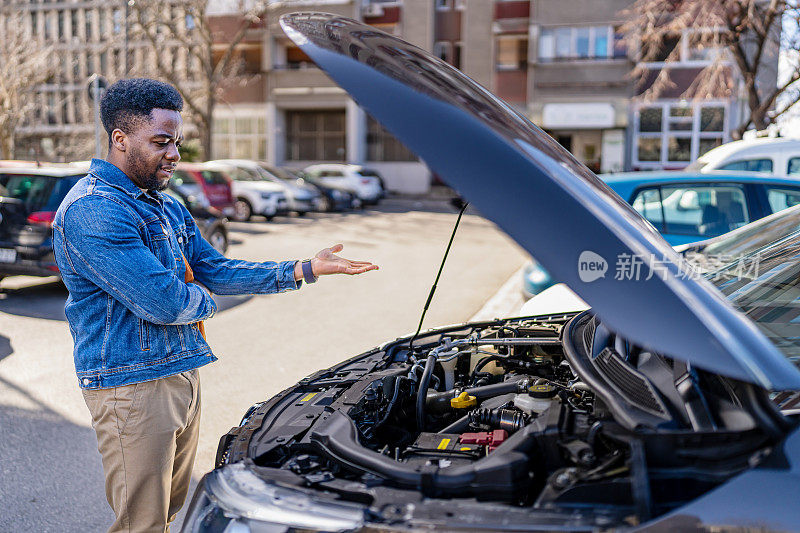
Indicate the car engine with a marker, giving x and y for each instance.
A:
(549, 414)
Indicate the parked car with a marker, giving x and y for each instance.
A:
(29, 197)
(687, 207)
(216, 185)
(301, 198)
(363, 182)
(333, 198)
(706, 257)
(252, 194)
(304, 197)
(670, 406)
(769, 155)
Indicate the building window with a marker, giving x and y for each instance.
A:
(590, 42)
(441, 49)
(512, 52)
(315, 136)
(383, 146)
(444, 4)
(676, 133)
(242, 135)
(690, 48)
(74, 23)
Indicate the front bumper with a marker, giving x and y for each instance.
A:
(28, 261)
(235, 498)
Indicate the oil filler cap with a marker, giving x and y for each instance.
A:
(463, 401)
(542, 390)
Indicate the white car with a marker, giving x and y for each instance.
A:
(251, 194)
(300, 198)
(365, 183)
(772, 155)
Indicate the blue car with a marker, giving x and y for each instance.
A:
(687, 207)
(670, 405)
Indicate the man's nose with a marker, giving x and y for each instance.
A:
(172, 153)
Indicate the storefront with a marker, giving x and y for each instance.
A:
(593, 132)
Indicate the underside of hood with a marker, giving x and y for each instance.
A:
(538, 193)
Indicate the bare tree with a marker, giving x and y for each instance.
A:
(25, 62)
(189, 54)
(742, 39)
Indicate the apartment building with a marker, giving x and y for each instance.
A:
(561, 63)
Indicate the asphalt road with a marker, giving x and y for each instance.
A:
(50, 472)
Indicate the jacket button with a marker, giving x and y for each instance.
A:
(180, 239)
(86, 381)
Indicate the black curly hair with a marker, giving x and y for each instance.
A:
(128, 102)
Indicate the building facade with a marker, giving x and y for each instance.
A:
(561, 63)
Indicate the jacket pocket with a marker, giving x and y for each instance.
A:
(144, 335)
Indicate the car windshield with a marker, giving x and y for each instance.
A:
(212, 177)
(180, 177)
(280, 173)
(756, 235)
(765, 286)
(35, 191)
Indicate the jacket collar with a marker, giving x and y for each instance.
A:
(111, 174)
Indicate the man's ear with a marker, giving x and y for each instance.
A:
(119, 140)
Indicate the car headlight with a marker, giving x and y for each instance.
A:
(233, 498)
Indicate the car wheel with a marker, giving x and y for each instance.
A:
(301, 213)
(218, 240)
(242, 210)
(358, 203)
(326, 205)
(269, 217)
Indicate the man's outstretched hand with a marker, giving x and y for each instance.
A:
(327, 262)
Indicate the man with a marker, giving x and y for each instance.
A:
(127, 254)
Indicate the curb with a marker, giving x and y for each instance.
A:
(506, 301)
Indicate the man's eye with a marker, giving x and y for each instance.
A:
(162, 143)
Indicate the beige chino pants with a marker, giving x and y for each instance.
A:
(147, 435)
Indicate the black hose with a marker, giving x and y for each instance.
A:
(389, 407)
(485, 361)
(422, 391)
(439, 402)
(459, 426)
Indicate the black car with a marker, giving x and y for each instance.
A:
(29, 198)
(333, 198)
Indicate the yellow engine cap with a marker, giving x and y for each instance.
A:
(463, 400)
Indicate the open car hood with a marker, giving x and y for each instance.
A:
(545, 199)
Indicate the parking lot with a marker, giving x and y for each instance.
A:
(50, 476)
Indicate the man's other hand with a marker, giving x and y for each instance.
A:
(327, 262)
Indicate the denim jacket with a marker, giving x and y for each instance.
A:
(131, 314)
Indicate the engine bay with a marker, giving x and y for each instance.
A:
(534, 414)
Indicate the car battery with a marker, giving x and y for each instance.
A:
(442, 450)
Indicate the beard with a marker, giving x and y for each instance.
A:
(142, 175)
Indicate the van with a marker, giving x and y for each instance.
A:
(780, 156)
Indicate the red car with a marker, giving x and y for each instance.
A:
(215, 184)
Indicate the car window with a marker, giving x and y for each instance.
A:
(331, 174)
(34, 191)
(750, 165)
(793, 168)
(703, 210)
(648, 204)
(240, 174)
(779, 199)
(212, 177)
(181, 177)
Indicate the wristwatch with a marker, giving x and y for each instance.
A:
(308, 273)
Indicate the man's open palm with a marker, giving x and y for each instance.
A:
(327, 262)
